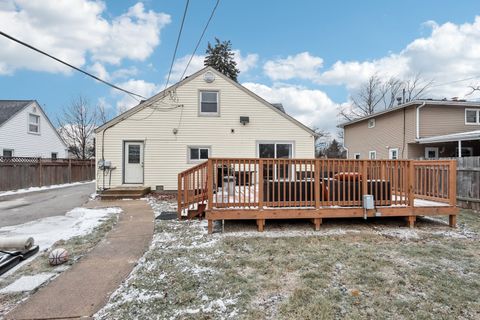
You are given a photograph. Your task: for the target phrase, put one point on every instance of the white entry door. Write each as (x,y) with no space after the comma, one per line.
(133,160)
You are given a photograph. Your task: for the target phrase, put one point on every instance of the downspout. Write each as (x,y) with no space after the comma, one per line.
(418,120)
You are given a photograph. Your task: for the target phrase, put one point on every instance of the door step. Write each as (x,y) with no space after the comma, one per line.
(124,193)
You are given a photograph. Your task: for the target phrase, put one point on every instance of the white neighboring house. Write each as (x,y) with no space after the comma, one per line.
(26,131)
(204,115)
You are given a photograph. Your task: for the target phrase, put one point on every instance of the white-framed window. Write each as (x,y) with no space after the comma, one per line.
(472,116)
(275,149)
(431,153)
(33,123)
(371,123)
(7,153)
(198,153)
(393,153)
(356,156)
(54,155)
(372,155)
(209,104)
(466,152)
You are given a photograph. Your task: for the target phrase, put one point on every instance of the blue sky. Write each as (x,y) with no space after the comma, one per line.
(310,55)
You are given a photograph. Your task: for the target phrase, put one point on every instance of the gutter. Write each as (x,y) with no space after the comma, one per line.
(418,120)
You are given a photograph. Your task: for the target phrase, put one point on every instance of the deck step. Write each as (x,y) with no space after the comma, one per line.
(192,213)
(124,193)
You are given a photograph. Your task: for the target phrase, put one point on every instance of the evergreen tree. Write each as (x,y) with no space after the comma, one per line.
(220,57)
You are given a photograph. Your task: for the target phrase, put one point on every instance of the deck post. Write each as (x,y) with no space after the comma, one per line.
(316,179)
(317,222)
(364,178)
(210,226)
(209,185)
(411,183)
(452,220)
(452,183)
(411,221)
(260,184)
(179,197)
(260,225)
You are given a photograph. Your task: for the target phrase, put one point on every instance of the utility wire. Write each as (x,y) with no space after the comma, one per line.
(131,94)
(454,81)
(176,45)
(200,39)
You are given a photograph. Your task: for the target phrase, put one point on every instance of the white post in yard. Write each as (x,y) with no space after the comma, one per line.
(459,148)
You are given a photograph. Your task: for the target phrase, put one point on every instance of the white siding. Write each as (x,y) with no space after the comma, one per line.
(14,135)
(166,153)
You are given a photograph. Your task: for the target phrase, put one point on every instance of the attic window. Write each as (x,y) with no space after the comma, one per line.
(371,123)
(33,123)
(209,103)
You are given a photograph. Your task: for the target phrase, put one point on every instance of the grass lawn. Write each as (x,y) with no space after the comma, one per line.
(351,269)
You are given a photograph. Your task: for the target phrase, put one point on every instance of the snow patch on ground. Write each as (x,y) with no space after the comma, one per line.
(47,231)
(34,189)
(27,283)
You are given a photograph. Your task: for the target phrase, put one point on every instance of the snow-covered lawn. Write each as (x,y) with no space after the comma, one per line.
(354,269)
(34,189)
(47,231)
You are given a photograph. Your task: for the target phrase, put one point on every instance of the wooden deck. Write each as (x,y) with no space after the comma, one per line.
(315,189)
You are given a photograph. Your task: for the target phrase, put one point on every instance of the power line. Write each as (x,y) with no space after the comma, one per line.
(200,39)
(132,94)
(454,81)
(176,45)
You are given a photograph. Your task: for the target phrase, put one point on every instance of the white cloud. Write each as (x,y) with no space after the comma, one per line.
(75,30)
(244,64)
(99,70)
(311,107)
(302,66)
(450,52)
(141,87)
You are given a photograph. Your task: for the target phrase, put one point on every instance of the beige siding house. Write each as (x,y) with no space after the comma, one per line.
(205,115)
(416,130)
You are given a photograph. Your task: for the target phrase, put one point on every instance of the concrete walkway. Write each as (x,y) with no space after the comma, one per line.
(85,288)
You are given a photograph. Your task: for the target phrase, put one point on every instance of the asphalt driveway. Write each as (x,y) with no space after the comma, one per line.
(25,207)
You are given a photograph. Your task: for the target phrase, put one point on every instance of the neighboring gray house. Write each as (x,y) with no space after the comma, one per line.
(26,131)
(420,129)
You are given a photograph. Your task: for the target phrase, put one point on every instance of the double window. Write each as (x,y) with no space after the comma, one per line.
(197,154)
(275,150)
(472,116)
(372,155)
(33,123)
(54,156)
(209,103)
(393,153)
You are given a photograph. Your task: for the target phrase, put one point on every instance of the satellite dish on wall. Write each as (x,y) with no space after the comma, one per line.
(209,77)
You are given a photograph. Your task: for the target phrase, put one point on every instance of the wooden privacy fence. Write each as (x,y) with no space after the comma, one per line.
(468,182)
(314,183)
(23,172)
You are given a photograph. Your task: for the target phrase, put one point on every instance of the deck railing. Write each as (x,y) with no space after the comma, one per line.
(192,188)
(435,180)
(313,183)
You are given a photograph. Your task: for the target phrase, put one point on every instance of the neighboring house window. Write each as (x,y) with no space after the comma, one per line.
(33,123)
(8,153)
(209,103)
(371,123)
(466,152)
(54,155)
(356,156)
(431,153)
(372,155)
(275,150)
(393,153)
(198,153)
(472,116)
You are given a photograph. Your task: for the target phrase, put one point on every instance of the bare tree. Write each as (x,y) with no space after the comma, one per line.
(378,94)
(320,141)
(76,125)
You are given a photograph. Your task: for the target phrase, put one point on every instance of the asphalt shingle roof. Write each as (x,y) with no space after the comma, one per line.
(8,108)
